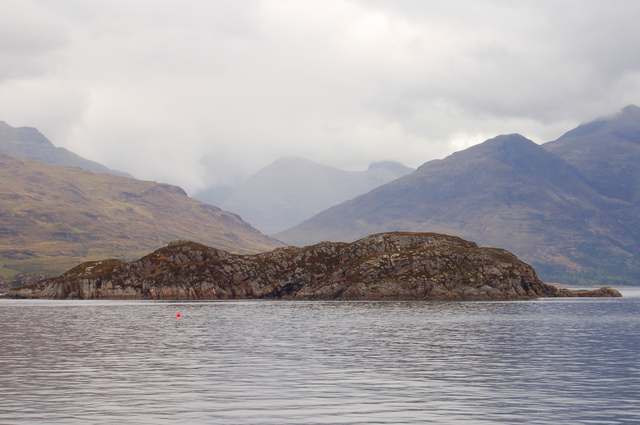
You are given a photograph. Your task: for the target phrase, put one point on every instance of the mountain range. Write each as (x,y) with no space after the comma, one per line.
(53,217)
(30,143)
(292,189)
(570,207)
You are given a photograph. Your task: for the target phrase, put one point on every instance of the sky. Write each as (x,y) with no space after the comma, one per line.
(200,93)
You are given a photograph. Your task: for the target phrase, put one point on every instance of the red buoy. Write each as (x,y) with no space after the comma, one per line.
(178,315)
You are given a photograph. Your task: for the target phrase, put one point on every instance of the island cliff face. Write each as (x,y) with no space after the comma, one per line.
(389,266)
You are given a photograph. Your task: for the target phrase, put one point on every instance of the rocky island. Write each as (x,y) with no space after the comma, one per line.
(387,266)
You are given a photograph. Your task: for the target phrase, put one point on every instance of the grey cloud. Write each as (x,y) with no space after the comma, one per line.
(29,40)
(197,92)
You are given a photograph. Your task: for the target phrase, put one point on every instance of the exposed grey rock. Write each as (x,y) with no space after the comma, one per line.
(392,266)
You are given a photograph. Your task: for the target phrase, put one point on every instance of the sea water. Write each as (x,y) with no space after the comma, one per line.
(278,362)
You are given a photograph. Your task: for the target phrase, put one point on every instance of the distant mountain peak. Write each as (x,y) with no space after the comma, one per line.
(624,124)
(512,147)
(33,135)
(625,116)
(28,135)
(286,163)
(607,152)
(499,145)
(30,143)
(631,109)
(383,164)
(512,138)
(289,163)
(387,165)
(292,189)
(291,159)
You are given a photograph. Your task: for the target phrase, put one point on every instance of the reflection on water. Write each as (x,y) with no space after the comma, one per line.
(543,362)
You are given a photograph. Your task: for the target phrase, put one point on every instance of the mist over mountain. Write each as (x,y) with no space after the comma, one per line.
(290,190)
(29,143)
(569,207)
(607,153)
(216,194)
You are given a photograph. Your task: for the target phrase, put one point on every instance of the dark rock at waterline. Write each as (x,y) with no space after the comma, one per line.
(605,292)
(388,266)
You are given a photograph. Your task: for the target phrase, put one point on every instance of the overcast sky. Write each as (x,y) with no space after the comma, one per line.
(194,92)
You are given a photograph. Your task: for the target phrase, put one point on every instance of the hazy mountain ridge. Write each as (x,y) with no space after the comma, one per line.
(29,143)
(607,153)
(558,206)
(292,189)
(53,217)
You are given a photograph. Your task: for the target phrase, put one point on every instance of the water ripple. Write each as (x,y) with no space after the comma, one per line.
(540,362)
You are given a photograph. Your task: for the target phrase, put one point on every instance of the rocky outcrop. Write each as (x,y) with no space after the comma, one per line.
(605,292)
(389,266)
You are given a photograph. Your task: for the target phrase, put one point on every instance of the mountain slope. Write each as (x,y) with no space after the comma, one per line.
(291,190)
(607,153)
(29,143)
(507,192)
(51,217)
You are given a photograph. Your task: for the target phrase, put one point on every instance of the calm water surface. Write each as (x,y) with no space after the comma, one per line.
(539,362)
